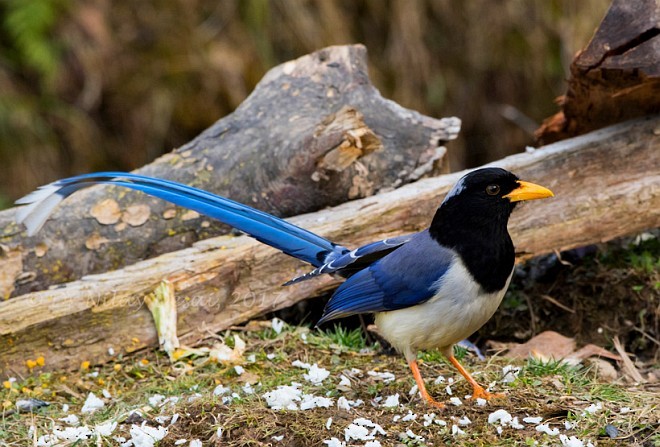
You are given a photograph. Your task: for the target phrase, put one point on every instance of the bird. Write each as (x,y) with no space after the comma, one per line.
(427,290)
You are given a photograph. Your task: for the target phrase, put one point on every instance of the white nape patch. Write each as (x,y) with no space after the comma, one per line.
(456,189)
(457,310)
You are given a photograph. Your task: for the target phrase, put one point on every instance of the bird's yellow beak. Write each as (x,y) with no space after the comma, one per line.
(528,191)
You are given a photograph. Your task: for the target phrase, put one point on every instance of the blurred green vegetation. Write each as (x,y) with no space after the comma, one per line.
(111,85)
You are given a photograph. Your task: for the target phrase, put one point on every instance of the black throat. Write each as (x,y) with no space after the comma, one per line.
(480,238)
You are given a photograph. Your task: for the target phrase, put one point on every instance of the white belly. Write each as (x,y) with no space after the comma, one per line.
(454,313)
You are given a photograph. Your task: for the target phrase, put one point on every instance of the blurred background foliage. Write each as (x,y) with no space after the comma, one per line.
(100,84)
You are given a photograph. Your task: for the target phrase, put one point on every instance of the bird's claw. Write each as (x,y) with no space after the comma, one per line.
(480,393)
(434,403)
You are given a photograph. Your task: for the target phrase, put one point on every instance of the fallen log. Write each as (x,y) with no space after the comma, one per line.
(227,280)
(616,77)
(314,133)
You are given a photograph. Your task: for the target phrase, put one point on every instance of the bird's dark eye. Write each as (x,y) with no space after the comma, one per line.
(492,190)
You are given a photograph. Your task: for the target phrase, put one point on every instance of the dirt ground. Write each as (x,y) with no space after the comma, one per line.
(342,390)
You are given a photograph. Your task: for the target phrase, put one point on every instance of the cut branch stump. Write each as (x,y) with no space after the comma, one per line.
(616,77)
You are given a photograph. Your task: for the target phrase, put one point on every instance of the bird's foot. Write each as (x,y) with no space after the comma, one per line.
(432,402)
(481,393)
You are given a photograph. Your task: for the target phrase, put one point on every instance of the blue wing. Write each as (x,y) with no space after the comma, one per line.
(271,230)
(352,262)
(408,276)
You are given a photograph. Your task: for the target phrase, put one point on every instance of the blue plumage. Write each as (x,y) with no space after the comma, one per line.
(406,277)
(327,256)
(428,290)
(270,230)
(350,262)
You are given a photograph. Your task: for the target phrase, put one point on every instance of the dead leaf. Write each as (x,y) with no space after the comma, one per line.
(546,345)
(248,377)
(136,215)
(592,350)
(106,212)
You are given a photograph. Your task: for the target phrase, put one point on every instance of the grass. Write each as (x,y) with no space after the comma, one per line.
(557,392)
(338,338)
(614,281)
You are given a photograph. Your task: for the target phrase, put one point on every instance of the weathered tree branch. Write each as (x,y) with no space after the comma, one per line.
(314,133)
(616,77)
(607,184)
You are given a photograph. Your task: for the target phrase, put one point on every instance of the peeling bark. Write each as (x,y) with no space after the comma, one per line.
(227,280)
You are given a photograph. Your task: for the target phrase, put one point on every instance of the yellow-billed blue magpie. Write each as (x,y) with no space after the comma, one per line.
(427,290)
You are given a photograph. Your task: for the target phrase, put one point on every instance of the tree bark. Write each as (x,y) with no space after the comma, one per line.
(314,133)
(617,76)
(228,280)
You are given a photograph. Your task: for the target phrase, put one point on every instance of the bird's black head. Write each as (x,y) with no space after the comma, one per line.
(480,198)
(473,219)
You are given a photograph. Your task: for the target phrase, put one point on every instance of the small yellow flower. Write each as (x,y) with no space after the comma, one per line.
(30,363)
(41,361)
(178,353)
(85,365)
(62,378)
(101,381)
(6,384)
(144,361)
(117,367)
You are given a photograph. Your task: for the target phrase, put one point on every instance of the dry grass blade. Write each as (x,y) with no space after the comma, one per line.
(628,365)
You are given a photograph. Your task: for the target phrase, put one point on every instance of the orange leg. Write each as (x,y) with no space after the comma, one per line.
(420,384)
(479,391)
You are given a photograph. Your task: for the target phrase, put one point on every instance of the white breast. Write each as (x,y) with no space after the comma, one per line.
(457,310)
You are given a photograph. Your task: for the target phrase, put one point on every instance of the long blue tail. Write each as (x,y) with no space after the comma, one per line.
(270,230)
